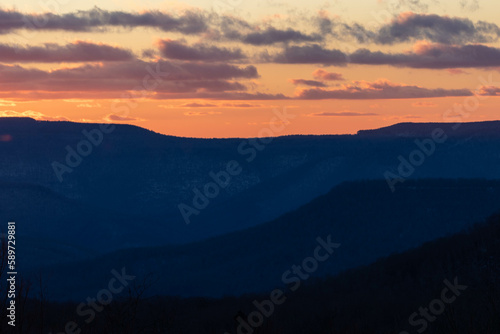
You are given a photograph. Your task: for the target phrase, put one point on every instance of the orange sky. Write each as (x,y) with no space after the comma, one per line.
(396,64)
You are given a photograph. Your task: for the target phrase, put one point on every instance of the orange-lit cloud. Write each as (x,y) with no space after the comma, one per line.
(32,114)
(380,89)
(321,74)
(202,113)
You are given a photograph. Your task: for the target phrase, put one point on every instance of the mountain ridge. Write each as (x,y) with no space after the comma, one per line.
(409,129)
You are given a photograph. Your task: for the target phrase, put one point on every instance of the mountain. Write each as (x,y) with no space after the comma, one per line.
(475,129)
(367,219)
(127,191)
(137,178)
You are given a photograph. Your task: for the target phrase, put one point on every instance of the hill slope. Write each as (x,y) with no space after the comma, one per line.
(379,298)
(364,217)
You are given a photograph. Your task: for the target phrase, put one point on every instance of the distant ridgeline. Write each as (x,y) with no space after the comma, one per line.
(125,194)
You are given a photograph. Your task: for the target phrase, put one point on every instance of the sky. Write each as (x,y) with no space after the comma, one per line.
(226,68)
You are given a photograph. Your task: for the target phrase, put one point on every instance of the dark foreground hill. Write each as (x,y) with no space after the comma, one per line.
(367,220)
(450,285)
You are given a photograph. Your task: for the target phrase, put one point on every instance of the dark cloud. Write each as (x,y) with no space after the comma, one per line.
(324,24)
(198,52)
(229,28)
(408,26)
(272,35)
(76,52)
(431,56)
(356,31)
(440,29)
(220,71)
(190,22)
(126,76)
(304,82)
(379,90)
(149,53)
(310,54)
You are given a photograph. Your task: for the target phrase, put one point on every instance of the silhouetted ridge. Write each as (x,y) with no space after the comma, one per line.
(15,122)
(488,128)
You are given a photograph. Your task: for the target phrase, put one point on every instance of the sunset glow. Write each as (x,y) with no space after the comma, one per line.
(219,68)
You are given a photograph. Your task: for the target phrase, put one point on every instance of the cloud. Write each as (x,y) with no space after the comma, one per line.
(356,31)
(310,54)
(272,35)
(433,56)
(469,5)
(4,103)
(406,27)
(410,26)
(344,113)
(242,105)
(230,28)
(78,51)
(201,85)
(213,105)
(321,74)
(223,96)
(423,55)
(381,89)
(198,52)
(118,118)
(456,71)
(198,105)
(489,91)
(304,82)
(201,113)
(32,114)
(323,22)
(101,79)
(189,22)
